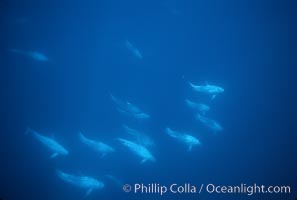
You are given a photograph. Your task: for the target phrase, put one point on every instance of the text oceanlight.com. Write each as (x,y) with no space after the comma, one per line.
(187,188)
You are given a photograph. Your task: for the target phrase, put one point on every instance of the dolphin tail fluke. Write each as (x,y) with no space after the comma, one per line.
(82,137)
(128,44)
(119,103)
(122,111)
(199,117)
(63,176)
(89,191)
(187,101)
(190,148)
(54,155)
(171,133)
(126,128)
(60,174)
(121,140)
(192,85)
(66,177)
(113,98)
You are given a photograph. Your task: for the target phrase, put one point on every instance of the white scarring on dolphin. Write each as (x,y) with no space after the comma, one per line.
(183,137)
(141,138)
(139,150)
(35,55)
(129,109)
(200,107)
(210,123)
(207,89)
(85,182)
(133,49)
(53,145)
(100,147)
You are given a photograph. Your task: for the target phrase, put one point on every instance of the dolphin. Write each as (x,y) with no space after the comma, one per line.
(141,138)
(132,108)
(100,147)
(53,145)
(200,107)
(208,89)
(133,50)
(129,109)
(85,182)
(139,150)
(141,116)
(35,55)
(210,123)
(183,137)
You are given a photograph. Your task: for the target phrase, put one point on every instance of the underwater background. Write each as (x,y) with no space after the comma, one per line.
(246,47)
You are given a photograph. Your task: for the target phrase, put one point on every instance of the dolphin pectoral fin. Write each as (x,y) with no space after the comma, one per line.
(143,161)
(190,148)
(89,192)
(213,96)
(54,155)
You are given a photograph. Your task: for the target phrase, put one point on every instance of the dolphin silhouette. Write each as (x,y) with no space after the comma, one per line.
(85,182)
(141,138)
(210,123)
(183,137)
(200,107)
(100,147)
(129,109)
(139,150)
(207,89)
(53,145)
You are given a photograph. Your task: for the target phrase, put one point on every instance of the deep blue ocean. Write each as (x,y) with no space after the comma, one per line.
(62,62)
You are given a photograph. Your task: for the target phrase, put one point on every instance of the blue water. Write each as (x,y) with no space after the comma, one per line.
(246,47)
